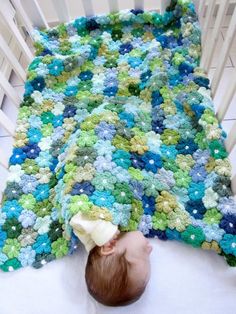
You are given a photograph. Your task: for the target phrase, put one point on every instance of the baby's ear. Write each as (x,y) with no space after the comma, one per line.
(108,248)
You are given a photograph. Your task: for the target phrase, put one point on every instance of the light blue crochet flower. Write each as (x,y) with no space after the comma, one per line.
(201,156)
(213,232)
(28,183)
(102,198)
(44,159)
(41,192)
(121,174)
(145,224)
(26,256)
(104,148)
(196,190)
(42,244)
(120,214)
(168,151)
(210,178)
(27,218)
(227,205)
(3,258)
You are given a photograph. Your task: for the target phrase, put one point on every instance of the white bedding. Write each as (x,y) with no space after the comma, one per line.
(183,280)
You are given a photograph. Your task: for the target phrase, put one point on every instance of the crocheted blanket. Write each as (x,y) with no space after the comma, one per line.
(117,121)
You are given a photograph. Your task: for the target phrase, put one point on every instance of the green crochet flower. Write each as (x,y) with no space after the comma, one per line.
(170,164)
(185,162)
(11,248)
(60,247)
(12,227)
(136,210)
(200,140)
(79,203)
(43,208)
(152,185)
(182,178)
(178,219)
(193,235)
(104,181)
(121,143)
(87,138)
(136,174)
(27,201)
(123,193)
(166,202)
(212,216)
(159,221)
(217,150)
(170,137)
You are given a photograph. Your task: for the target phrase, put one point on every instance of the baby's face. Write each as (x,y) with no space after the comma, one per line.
(138,253)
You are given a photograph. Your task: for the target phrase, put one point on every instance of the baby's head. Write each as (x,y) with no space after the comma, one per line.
(117,273)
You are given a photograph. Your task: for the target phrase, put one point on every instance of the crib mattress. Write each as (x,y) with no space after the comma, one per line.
(184,280)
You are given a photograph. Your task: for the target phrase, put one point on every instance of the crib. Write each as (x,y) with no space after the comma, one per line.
(19,17)
(184,279)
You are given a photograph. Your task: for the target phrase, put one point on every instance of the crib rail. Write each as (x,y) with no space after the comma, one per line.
(23,15)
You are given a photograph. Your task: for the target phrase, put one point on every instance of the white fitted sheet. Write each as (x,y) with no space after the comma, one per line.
(183,280)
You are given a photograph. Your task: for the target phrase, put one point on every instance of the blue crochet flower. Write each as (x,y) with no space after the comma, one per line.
(148,204)
(69,111)
(134,61)
(196,208)
(168,151)
(121,158)
(42,244)
(105,131)
(228,223)
(31,150)
(71,90)
(173,234)
(86,75)
(3,236)
(41,192)
(125,48)
(196,191)
(186,147)
(34,135)
(82,188)
(128,118)
(152,161)
(158,127)
(18,156)
(228,244)
(12,208)
(56,67)
(198,173)
(156,98)
(110,91)
(57,120)
(102,198)
(38,83)
(137,188)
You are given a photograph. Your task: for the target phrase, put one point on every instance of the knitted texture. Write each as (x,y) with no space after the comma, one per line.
(117,121)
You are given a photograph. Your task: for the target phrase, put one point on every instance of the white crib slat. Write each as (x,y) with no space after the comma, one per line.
(17,35)
(233,184)
(138,4)
(9,90)
(113,5)
(230,141)
(88,7)
(3,160)
(61,8)
(208,50)
(227,98)
(201,8)
(207,20)
(21,11)
(6,123)
(163,5)
(12,59)
(224,53)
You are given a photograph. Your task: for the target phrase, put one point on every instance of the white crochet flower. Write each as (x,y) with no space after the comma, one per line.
(15,172)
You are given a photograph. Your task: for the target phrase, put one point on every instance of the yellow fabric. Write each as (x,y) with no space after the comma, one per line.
(92,232)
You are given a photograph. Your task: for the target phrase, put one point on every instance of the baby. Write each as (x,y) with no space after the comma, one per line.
(118,265)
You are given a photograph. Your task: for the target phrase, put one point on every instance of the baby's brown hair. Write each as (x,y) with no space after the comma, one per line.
(108,281)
